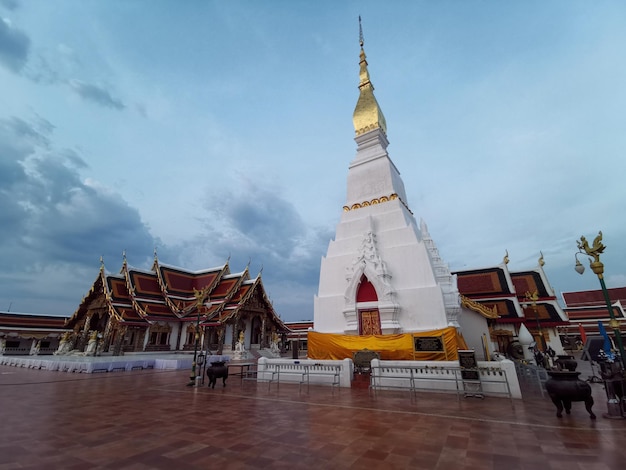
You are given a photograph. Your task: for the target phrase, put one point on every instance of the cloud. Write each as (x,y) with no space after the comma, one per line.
(54,219)
(255,225)
(96,94)
(9,4)
(14,46)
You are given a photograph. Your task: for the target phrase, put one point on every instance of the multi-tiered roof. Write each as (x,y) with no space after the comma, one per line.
(138,297)
(511,297)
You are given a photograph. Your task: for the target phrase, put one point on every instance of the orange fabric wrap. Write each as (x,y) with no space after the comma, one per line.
(390,347)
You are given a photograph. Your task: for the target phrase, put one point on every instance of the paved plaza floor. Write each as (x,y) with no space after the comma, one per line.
(151,419)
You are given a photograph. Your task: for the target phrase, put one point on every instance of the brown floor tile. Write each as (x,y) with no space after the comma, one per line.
(150,420)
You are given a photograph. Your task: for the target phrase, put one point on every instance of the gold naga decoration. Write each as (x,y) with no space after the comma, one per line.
(491,313)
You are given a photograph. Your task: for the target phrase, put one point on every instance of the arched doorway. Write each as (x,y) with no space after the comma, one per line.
(255,337)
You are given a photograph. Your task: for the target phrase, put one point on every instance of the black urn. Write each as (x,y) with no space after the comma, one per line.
(565,362)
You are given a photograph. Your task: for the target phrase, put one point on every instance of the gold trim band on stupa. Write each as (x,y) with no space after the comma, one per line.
(367,114)
(377,200)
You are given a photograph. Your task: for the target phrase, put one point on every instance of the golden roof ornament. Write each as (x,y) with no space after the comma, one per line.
(506,257)
(367,114)
(541,261)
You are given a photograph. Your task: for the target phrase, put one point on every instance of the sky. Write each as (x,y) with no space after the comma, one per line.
(217,131)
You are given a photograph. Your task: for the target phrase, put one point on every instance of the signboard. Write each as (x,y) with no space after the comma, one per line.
(469,366)
(428,344)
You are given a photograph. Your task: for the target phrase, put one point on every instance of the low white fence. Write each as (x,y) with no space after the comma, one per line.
(495,378)
(305,371)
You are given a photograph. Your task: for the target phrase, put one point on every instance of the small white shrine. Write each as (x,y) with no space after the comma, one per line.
(382,274)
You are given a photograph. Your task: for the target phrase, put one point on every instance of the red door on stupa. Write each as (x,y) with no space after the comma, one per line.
(369,322)
(369,319)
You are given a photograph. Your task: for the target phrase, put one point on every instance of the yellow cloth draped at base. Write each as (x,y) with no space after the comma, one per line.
(390,347)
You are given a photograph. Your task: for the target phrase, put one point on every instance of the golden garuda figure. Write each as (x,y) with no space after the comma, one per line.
(595,250)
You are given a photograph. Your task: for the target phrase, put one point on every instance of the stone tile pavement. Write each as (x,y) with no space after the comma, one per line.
(151,419)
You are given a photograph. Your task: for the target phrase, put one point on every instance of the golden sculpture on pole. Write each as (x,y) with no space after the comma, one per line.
(593,252)
(532,297)
(200,295)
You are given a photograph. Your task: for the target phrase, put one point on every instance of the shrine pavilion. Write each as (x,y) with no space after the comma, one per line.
(163,308)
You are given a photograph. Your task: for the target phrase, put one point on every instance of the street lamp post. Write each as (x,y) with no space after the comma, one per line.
(200,295)
(593,252)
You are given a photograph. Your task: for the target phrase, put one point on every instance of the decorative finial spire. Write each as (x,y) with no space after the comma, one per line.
(361,42)
(506,257)
(541,261)
(367,114)
(155,253)
(101,263)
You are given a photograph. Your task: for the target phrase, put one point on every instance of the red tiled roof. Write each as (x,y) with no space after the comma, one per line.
(180,283)
(589,313)
(168,294)
(593,297)
(528,281)
(22,320)
(483,282)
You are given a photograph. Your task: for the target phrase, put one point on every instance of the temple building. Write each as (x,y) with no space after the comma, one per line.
(502,301)
(586,308)
(163,308)
(382,273)
(29,334)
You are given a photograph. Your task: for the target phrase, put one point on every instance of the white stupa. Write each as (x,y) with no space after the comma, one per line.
(382,274)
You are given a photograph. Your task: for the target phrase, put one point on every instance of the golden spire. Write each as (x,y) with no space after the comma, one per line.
(367,114)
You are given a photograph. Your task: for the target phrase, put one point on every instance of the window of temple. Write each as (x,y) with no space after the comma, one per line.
(159,334)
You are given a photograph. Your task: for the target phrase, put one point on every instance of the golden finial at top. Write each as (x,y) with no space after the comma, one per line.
(367,114)
(541,261)
(506,257)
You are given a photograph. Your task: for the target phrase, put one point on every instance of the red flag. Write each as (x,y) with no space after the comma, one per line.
(583,335)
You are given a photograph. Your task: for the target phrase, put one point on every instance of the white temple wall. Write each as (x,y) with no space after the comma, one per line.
(373,180)
(473,325)
(415,302)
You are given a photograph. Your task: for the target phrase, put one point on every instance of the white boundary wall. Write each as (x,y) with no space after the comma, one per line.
(445,376)
(293,370)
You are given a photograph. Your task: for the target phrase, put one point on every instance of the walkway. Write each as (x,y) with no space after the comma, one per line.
(150,419)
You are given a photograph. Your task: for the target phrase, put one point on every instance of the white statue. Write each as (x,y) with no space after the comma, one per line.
(240,348)
(92,345)
(274,344)
(34,347)
(65,343)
